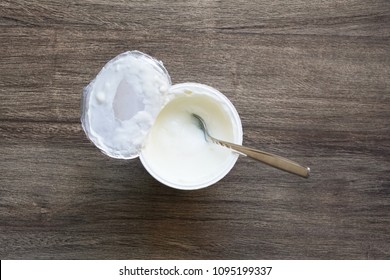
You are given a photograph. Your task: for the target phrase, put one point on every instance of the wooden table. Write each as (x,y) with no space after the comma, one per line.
(310,80)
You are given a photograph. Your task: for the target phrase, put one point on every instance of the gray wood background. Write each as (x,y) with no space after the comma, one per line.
(310,80)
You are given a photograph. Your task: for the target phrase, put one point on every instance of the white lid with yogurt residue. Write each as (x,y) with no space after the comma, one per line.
(120,105)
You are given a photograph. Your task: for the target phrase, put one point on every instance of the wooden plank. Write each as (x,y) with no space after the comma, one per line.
(310,81)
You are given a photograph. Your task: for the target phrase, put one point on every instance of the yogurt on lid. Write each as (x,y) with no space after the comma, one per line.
(121,103)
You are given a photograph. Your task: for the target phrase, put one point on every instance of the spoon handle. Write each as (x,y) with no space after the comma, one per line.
(268,158)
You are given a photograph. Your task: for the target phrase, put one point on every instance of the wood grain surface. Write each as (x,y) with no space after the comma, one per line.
(310,80)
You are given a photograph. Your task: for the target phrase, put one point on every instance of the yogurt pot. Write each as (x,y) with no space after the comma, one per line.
(131,109)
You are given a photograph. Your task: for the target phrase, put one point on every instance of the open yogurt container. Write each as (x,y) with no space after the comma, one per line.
(131,109)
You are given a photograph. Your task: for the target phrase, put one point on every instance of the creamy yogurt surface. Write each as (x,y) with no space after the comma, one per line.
(176,152)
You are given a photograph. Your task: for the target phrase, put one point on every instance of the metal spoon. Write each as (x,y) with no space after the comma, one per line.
(267,158)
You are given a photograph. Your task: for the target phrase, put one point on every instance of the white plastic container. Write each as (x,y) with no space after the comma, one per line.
(131,109)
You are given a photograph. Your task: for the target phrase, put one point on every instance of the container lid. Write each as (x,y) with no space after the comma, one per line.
(120,105)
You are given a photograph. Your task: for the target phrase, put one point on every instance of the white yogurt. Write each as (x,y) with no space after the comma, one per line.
(131,109)
(176,152)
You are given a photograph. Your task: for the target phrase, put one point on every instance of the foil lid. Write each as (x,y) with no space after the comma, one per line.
(121,104)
